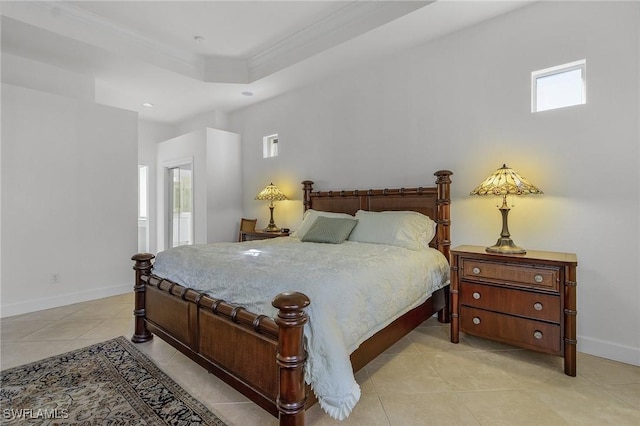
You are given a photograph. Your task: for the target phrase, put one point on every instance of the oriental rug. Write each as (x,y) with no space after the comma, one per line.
(109,383)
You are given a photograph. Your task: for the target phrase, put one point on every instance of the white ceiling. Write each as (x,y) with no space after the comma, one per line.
(146,51)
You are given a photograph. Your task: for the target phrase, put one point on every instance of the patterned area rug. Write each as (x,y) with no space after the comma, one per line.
(107,383)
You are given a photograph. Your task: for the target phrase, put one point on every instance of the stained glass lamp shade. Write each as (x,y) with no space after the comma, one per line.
(505,181)
(271,193)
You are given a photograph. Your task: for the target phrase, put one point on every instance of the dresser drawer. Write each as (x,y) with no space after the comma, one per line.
(519,275)
(527,333)
(516,302)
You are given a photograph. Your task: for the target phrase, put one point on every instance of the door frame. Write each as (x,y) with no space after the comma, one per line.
(167,208)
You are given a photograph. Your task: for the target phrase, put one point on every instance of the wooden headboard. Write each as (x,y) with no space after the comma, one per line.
(433,201)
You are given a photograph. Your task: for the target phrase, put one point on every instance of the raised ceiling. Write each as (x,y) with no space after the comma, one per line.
(189,57)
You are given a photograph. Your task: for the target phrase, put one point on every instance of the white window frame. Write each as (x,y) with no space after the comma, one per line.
(143,208)
(270,146)
(560,69)
(143,191)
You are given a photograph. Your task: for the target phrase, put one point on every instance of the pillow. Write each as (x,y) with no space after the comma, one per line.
(406,229)
(332,230)
(310,216)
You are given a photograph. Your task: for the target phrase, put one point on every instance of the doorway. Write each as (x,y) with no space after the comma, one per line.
(180,205)
(143,208)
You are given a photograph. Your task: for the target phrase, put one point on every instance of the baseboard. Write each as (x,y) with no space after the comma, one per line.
(588,345)
(54,301)
(609,350)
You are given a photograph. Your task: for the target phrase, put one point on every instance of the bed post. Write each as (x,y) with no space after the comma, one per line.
(291,357)
(443,182)
(307,187)
(142,268)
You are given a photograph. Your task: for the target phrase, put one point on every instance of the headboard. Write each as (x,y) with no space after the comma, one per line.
(432,201)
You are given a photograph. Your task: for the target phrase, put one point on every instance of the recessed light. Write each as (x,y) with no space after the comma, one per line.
(148,105)
(247,93)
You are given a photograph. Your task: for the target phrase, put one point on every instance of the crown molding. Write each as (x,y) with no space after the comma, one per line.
(69,20)
(354,19)
(76,23)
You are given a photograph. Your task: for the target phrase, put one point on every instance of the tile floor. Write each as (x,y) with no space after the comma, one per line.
(422,380)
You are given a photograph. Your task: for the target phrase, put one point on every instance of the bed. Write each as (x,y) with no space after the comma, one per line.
(264,355)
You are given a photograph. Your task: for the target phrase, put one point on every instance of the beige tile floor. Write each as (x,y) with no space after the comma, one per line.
(422,380)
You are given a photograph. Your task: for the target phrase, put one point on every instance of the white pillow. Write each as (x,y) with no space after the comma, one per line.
(406,229)
(310,216)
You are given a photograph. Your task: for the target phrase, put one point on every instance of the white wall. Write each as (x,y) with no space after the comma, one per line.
(217,203)
(186,149)
(149,135)
(210,119)
(463,103)
(26,72)
(224,185)
(68,199)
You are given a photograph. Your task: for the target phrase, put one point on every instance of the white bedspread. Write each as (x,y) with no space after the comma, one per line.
(356,289)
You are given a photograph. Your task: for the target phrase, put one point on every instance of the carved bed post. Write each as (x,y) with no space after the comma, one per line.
(142,268)
(443,182)
(307,187)
(291,357)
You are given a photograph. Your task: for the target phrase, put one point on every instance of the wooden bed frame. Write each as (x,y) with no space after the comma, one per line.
(261,357)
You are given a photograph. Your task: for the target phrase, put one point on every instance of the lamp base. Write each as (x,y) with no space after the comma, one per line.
(272,225)
(272,228)
(505,246)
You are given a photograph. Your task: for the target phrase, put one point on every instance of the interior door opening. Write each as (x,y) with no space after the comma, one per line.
(180,205)
(143,208)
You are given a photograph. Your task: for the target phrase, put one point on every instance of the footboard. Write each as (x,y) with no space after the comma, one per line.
(268,365)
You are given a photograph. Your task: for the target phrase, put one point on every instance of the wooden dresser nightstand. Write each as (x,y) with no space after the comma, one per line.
(260,235)
(526,300)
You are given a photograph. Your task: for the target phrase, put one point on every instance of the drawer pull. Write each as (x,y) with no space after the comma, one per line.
(537,306)
(476,320)
(537,334)
(538,278)
(476,295)
(476,270)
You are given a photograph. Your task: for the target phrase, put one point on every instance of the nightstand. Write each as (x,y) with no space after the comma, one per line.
(525,300)
(260,235)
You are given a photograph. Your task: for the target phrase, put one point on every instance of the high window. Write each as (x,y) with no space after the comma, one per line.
(559,87)
(270,146)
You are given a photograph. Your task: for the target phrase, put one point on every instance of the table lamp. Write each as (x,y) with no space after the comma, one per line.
(271,193)
(505,181)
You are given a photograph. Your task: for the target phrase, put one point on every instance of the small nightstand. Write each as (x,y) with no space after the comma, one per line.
(526,300)
(260,235)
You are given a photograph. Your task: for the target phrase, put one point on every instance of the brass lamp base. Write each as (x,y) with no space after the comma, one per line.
(272,225)
(272,228)
(505,246)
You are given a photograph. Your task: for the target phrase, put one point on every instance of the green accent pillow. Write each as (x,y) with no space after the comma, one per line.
(333,230)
